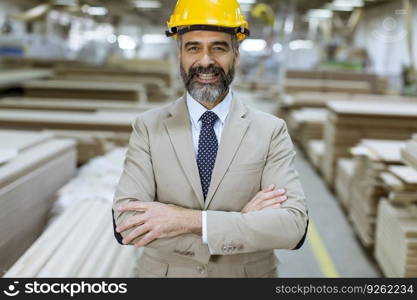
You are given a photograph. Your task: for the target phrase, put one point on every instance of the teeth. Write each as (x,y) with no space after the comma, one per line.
(207,76)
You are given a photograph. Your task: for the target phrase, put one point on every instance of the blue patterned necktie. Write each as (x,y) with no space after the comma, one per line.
(207,149)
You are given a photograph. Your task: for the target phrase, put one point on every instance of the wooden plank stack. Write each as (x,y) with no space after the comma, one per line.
(326,85)
(315,153)
(29,178)
(75,105)
(83,217)
(95,132)
(15,78)
(307,124)
(85,90)
(344,176)
(350,121)
(157,89)
(396,239)
(371,158)
(409,153)
(376,84)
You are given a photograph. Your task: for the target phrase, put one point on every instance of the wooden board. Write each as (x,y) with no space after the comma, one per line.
(85,90)
(16,78)
(62,104)
(27,184)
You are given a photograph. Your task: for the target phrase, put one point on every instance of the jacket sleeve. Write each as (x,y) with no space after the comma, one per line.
(281,228)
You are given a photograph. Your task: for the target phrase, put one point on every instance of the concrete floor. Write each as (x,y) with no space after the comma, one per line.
(331,248)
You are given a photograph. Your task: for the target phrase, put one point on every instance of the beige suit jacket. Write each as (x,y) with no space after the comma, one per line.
(255,151)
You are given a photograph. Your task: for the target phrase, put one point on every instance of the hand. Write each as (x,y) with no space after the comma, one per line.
(266,198)
(157,220)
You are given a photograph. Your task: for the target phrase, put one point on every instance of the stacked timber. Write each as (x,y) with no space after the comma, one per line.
(329,86)
(409,153)
(396,239)
(376,84)
(371,158)
(95,132)
(75,105)
(33,166)
(315,153)
(85,90)
(307,124)
(157,89)
(319,99)
(344,176)
(350,121)
(15,78)
(82,217)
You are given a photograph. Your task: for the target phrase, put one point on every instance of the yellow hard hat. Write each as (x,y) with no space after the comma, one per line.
(213,15)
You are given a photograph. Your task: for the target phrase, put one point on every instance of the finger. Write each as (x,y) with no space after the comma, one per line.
(269,188)
(147,238)
(130,222)
(274,206)
(134,206)
(274,201)
(140,230)
(271,195)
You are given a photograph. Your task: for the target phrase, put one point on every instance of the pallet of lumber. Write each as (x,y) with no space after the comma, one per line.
(157,89)
(306,124)
(95,133)
(85,90)
(81,216)
(350,121)
(344,176)
(330,86)
(400,183)
(16,78)
(371,158)
(300,100)
(28,182)
(396,239)
(75,105)
(409,153)
(315,153)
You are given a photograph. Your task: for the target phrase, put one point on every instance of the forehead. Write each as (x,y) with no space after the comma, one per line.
(206,36)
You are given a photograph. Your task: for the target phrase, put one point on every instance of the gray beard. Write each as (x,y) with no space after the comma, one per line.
(208,93)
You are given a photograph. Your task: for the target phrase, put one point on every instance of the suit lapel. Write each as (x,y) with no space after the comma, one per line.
(234,130)
(179,131)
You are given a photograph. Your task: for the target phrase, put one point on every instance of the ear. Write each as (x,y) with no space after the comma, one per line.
(237,60)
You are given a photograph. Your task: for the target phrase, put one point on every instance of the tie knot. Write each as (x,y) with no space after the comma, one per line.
(209,118)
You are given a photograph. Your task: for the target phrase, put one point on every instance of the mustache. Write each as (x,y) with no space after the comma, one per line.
(211,69)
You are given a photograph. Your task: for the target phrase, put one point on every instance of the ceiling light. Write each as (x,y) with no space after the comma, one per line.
(277,48)
(301,44)
(147,4)
(155,39)
(253,45)
(96,11)
(126,42)
(319,14)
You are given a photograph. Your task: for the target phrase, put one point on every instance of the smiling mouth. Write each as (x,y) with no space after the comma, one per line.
(207,78)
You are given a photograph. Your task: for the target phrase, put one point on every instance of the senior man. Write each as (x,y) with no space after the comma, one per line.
(209,187)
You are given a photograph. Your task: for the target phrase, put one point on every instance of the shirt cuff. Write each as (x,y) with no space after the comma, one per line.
(204,225)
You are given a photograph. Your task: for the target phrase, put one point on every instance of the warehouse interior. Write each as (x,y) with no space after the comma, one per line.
(74,75)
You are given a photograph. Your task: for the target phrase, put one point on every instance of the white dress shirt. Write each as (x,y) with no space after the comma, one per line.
(196,110)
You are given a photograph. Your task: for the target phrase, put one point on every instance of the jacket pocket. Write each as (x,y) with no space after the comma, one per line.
(262,268)
(149,266)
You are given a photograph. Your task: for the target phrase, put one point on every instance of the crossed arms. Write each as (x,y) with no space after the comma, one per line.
(273,219)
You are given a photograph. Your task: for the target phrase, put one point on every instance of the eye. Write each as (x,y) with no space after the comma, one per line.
(219,49)
(193,49)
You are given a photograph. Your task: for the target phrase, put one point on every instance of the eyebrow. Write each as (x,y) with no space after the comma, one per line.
(215,43)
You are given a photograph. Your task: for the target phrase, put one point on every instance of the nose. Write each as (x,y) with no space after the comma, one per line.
(206,60)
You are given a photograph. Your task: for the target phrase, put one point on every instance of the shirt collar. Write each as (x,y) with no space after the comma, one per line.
(196,109)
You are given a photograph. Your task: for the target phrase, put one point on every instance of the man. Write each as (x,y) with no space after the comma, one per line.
(209,188)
